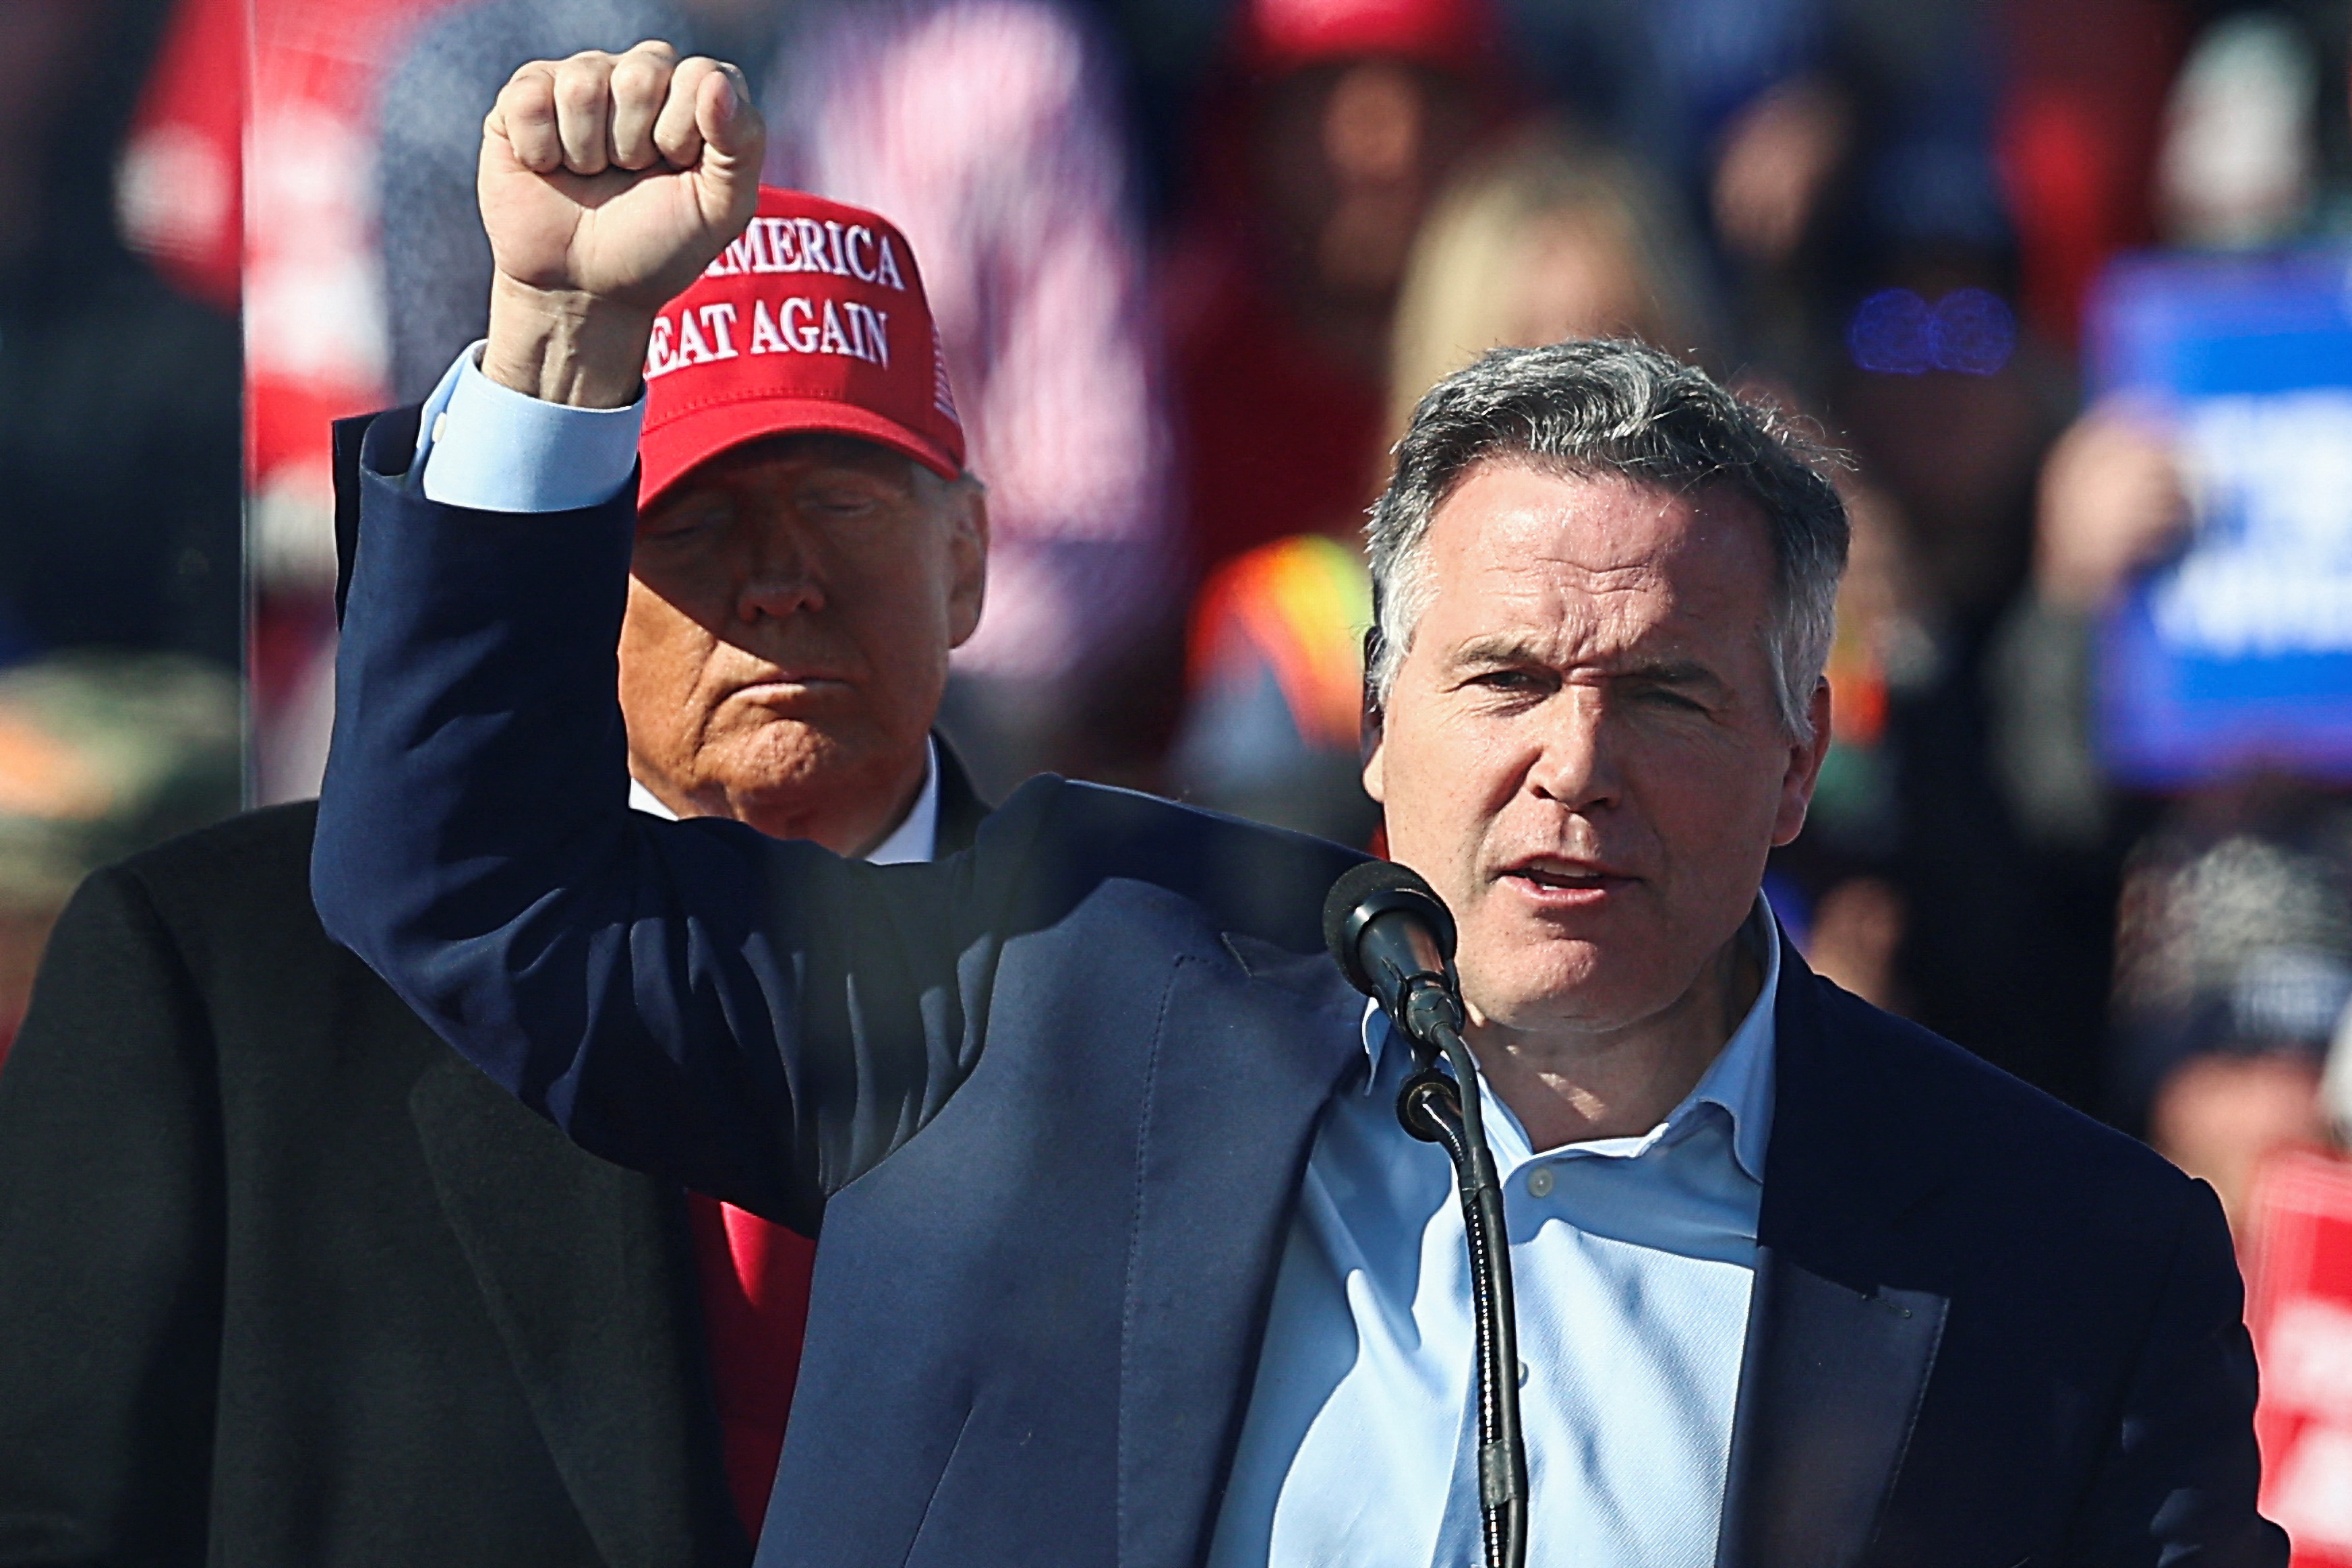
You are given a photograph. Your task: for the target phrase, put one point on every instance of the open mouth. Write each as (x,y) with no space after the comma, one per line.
(1554,883)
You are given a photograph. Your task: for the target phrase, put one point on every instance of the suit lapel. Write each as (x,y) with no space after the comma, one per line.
(962,811)
(1213,1213)
(583,1269)
(1839,1348)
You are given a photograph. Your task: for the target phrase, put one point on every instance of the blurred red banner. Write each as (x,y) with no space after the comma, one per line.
(2301,1313)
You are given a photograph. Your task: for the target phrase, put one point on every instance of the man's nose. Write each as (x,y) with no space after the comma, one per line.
(1576,759)
(779,579)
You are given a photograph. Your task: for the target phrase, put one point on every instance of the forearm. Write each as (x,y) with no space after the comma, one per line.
(474,843)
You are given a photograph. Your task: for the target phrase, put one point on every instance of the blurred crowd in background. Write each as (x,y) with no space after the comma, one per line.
(1193,263)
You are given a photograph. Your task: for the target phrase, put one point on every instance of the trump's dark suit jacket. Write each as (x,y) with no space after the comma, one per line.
(1051,1100)
(285,1282)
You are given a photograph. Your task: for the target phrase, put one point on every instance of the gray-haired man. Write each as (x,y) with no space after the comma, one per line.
(1124,1258)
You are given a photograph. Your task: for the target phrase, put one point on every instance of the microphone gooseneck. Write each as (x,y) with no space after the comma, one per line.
(1392,937)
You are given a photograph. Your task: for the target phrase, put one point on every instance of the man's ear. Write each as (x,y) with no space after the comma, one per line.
(1371,726)
(1371,737)
(967,559)
(1805,770)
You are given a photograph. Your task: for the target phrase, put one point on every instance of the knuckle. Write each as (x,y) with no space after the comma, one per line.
(526,92)
(637,74)
(580,89)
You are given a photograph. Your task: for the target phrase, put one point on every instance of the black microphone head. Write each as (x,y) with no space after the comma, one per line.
(1366,891)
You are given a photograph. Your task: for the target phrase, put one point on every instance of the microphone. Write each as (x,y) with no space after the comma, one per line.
(1392,937)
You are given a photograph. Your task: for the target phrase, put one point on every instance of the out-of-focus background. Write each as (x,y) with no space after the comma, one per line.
(2071,280)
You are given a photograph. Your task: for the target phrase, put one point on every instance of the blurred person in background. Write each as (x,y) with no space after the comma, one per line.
(1948,410)
(1542,238)
(118,397)
(282,1280)
(1807,139)
(993,130)
(2233,966)
(1545,236)
(1321,149)
(2233,937)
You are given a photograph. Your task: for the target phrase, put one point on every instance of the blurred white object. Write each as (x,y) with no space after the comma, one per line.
(2335,1083)
(2238,152)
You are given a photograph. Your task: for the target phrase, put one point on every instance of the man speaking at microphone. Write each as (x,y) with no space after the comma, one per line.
(1124,1255)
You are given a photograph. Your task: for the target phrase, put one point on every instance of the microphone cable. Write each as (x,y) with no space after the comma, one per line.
(1393,938)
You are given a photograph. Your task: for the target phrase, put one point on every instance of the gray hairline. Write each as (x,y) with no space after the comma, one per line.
(1804,600)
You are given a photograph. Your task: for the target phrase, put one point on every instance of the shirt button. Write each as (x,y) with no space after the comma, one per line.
(1540,1181)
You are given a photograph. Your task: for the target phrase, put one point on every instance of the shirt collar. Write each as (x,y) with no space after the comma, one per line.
(916,838)
(1738,1080)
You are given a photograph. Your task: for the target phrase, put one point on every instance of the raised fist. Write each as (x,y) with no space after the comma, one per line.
(607,183)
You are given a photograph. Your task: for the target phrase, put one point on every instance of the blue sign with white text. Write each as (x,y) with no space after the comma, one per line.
(2237,654)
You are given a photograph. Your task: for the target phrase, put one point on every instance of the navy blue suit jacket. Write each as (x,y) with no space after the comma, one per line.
(1051,1098)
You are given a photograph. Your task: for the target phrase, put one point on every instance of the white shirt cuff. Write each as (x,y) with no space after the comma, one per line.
(489,448)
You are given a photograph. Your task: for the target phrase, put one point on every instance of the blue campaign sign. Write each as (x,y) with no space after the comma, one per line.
(2237,653)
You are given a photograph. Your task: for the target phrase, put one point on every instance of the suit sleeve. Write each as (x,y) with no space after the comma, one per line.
(2179,1484)
(758,1019)
(110,1216)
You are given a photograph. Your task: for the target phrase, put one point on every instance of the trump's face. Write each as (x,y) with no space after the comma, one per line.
(792,604)
(1581,751)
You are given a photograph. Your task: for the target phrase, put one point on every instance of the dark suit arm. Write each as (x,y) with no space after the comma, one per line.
(2180,1479)
(759,1020)
(110,1248)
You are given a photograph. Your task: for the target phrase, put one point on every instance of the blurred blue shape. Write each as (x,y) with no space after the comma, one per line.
(1972,331)
(2236,655)
(1893,333)
(1896,333)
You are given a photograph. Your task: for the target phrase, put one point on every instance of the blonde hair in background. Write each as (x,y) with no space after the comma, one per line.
(1545,237)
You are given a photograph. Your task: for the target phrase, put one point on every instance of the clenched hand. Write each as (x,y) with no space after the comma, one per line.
(607,184)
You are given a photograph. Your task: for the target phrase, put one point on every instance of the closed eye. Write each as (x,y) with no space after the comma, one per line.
(682,524)
(837,503)
(1515,680)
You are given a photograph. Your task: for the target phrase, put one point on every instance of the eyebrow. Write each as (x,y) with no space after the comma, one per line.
(1499,652)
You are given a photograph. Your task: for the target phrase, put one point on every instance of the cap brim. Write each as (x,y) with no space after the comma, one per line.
(691,438)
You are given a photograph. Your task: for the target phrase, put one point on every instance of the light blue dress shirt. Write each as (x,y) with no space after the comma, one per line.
(1632,1258)
(489,448)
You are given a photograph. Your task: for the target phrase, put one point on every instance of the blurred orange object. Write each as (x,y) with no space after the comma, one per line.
(1298,608)
(2300,1251)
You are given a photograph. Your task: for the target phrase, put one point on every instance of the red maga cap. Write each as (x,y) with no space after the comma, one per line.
(1286,35)
(813,322)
